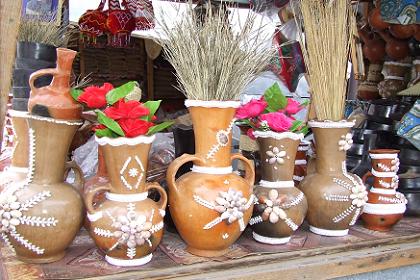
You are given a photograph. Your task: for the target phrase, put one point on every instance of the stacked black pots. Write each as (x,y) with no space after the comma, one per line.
(30,57)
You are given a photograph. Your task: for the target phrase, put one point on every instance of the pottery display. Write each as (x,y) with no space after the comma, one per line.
(397,68)
(55,100)
(375,20)
(368,91)
(403,31)
(301,161)
(385,206)
(390,87)
(373,47)
(335,197)
(127,225)
(281,207)
(395,49)
(211,205)
(41,218)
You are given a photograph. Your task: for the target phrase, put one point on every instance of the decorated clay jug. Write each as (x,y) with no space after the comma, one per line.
(385,206)
(335,197)
(55,101)
(41,218)
(281,207)
(211,205)
(128,225)
(301,161)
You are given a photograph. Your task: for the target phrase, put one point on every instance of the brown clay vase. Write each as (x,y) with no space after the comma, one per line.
(396,49)
(375,20)
(401,31)
(127,225)
(281,207)
(368,91)
(55,101)
(17,171)
(211,205)
(373,48)
(301,162)
(335,197)
(385,206)
(41,218)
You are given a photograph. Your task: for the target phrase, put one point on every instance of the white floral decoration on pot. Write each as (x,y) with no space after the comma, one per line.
(345,142)
(276,156)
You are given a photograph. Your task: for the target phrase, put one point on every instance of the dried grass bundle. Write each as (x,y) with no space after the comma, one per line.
(326,45)
(212,62)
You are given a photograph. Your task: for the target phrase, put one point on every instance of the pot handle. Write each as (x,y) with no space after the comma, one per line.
(366,176)
(249,168)
(175,165)
(163,196)
(35,75)
(91,194)
(79,181)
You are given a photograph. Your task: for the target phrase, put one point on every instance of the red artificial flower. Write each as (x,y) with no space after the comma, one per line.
(134,127)
(292,106)
(154,118)
(277,121)
(251,109)
(94,96)
(126,110)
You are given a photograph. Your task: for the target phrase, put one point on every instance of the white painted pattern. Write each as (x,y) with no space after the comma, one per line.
(384,209)
(120,141)
(270,240)
(212,170)
(131,262)
(331,124)
(212,103)
(276,184)
(278,135)
(328,232)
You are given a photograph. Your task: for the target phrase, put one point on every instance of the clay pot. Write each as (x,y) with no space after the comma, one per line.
(375,20)
(335,197)
(390,87)
(367,91)
(301,161)
(396,68)
(127,226)
(385,206)
(373,48)
(403,32)
(281,206)
(211,205)
(41,218)
(395,49)
(55,100)
(17,171)
(374,73)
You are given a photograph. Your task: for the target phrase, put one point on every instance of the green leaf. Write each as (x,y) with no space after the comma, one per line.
(120,92)
(159,127)
(304,130)
(106,132)
(109,123)
(75,93)
(305,103)
(153,106)
(296,125)
(275,98)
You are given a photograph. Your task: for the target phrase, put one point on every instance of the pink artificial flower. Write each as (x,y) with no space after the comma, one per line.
(251,109)
(292,106)
(277,121)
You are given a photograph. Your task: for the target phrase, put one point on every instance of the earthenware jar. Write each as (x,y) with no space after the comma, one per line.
(385,206)
(41,218)
(55,100)
(18,169)
(211,205)
(335,197)
(391,86)
(128,225)
(301,161)
(395,49)
(374,73)
(373,48)
(403,31)
(375,20)
(368,91)
(281,206)
(396,68)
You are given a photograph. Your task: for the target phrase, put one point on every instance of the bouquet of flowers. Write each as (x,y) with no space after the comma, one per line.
(273,112)
(118,115)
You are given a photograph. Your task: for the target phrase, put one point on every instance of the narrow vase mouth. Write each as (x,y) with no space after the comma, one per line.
(212,103)
(331,124)
(121,141)
(278,135)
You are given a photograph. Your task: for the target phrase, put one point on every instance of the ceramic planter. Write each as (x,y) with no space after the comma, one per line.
(385,206)
(127,226)
(281,207)
(41,218)
(211,205)
(335,197)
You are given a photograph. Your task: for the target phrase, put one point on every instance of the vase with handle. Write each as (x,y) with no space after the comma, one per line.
(211,205)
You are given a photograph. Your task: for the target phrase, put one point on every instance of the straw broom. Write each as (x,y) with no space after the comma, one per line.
(326,45)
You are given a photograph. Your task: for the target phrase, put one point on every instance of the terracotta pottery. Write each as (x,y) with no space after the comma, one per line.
(401,31)
(17,171)
(373,48)
(281,207)
(41,218)
(211,205)
(395,49)
(374,73)
(335,197)
(368,91)
(396,68)
(301,161)
(385,206)
(127,226)
(55,100)
(390,87)
(375,20)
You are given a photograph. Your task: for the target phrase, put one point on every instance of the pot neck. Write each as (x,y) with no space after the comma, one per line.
(101,163)
(65,59)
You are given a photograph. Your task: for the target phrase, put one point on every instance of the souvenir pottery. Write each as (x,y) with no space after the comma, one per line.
(395,49)
(127,225)
(403,31)
(397,68)
(390,87)
(385,206)
(55,101)
(368,91)
(335,197)
(41,218)
(375,20)
(211,205)
(281,207)
(301,161)
(373,48)
(17,171)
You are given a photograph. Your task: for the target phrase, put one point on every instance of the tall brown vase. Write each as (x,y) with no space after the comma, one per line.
(211,205)
(335,197)
(55,101)
(127,225)
(41,218)
(281,207)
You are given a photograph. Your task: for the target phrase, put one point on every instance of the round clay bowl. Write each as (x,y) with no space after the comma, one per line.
(375,20)
(401,31)
(413,205)
(410,157)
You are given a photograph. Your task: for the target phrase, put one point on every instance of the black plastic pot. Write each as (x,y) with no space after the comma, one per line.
(21,92)
(409,157)
(372,125)
(413,205)
(20,104)
(359,134)
(412,169)
(21,78)
(36,51)
(29,63)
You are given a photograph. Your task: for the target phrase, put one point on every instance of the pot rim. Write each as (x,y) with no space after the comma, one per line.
(121,141)
(331,124)
(384,151)
(278,135)
(395,63)
(212,103)
(52,120)
(18,114)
